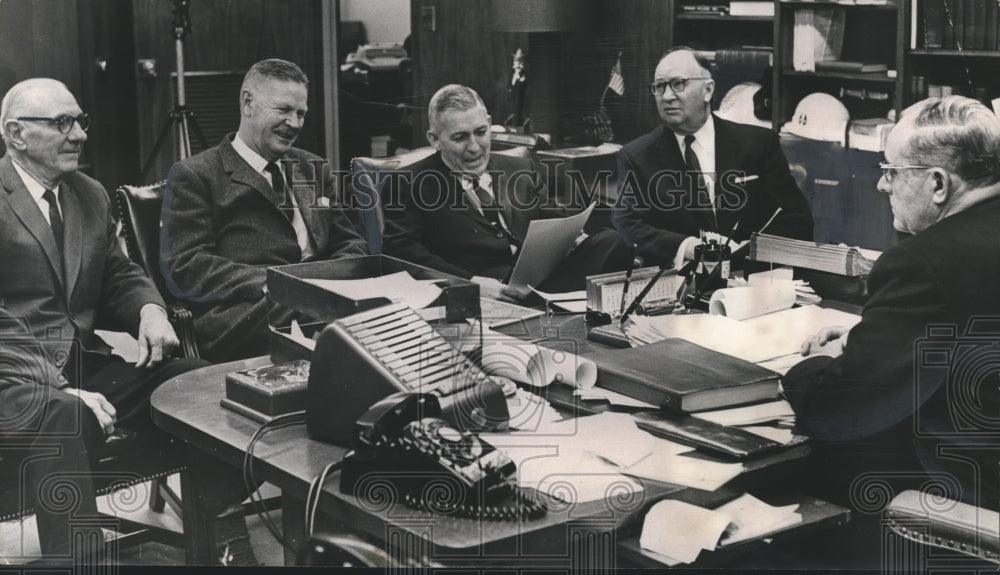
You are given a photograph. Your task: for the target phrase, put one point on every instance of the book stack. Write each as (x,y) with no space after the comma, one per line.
(961,24)
(841,260)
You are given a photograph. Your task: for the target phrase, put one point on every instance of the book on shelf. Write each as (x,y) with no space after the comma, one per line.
(850,67)
(751,8)
(744,57)
(718,7)
(682,376)
(836,259)
(817,36)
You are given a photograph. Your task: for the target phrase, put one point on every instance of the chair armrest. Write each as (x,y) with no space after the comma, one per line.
(183,323)
(933,520)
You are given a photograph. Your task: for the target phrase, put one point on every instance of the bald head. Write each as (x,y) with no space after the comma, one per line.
(34,141)
(686,109)
(29,96)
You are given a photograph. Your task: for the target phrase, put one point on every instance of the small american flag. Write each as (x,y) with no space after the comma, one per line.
(617,83)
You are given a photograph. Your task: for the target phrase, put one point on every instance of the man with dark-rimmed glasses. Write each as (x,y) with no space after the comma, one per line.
(908,398)
(699,173)
(62,390)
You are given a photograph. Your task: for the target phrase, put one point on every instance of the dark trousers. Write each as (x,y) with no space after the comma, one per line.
(58,435)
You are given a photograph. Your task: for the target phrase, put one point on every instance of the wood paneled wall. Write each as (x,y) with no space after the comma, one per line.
(227,35)
(568,70)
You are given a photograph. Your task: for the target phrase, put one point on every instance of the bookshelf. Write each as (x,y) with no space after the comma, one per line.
(721,31)
(872,33)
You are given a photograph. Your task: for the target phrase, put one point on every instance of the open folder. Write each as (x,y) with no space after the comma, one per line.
(545,245)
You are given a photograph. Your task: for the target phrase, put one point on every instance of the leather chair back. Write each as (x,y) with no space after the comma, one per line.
(139,210)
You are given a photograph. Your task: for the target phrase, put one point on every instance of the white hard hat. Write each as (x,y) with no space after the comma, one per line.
(819,116)
(737,105)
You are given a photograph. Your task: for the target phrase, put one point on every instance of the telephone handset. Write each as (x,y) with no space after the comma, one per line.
(402,440)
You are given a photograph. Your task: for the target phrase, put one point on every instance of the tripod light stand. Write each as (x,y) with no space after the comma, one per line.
(181,117)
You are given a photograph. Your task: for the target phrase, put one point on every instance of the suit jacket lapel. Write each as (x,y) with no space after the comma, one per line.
(26,210)
(241,172)
(727,147)
(73,250)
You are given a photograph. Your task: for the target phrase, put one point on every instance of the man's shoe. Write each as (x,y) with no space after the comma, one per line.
(232,541)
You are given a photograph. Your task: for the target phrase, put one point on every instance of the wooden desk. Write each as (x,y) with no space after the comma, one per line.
(188,407)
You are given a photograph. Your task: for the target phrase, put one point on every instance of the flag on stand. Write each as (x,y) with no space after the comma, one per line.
(617,83)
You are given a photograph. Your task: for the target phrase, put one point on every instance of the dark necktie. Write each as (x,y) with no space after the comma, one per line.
(698,180)
(491,209)
(278,185)
(55,219)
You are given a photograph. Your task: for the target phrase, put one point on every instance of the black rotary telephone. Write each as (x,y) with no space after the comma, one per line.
(401,441)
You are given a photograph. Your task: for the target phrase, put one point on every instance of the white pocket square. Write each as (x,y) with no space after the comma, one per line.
(745,179)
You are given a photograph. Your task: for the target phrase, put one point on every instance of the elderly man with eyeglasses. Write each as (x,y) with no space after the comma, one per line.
(697,173)
(62,392)
(909,398)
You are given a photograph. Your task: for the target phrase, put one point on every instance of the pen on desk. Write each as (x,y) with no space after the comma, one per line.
(628,280)
(774,215)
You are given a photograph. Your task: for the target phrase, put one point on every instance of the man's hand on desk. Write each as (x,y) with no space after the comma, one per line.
(827,341)
(495,289)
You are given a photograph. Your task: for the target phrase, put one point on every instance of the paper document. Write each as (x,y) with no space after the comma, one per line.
(749,415)
(755,340)
(546,244)
(669,467)
(532,364)
(398,287)
(496,313)
(767,292)
(680,530)
(750,518)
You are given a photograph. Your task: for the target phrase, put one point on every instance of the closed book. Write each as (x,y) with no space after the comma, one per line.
(681,376)
(705,435)
(978,19)
(991,23)
(934,22)
(852,67)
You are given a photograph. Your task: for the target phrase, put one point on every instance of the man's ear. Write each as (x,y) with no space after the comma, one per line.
(433,140)
(15,138)
(246,101)
(709,90)
(942,185)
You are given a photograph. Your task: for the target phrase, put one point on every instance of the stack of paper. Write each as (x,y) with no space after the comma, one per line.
(843,260)
(773,420)
(756,340)
(677,531)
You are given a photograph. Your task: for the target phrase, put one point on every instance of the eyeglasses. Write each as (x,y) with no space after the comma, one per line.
(63,123)
(677,85)
(889,170)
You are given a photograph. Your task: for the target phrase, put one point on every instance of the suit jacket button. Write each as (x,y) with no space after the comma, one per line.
(499,236)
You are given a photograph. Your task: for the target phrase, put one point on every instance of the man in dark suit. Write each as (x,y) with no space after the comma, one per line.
(466,211)
(60,386)
(699,173)
(251,202)
(908,398)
